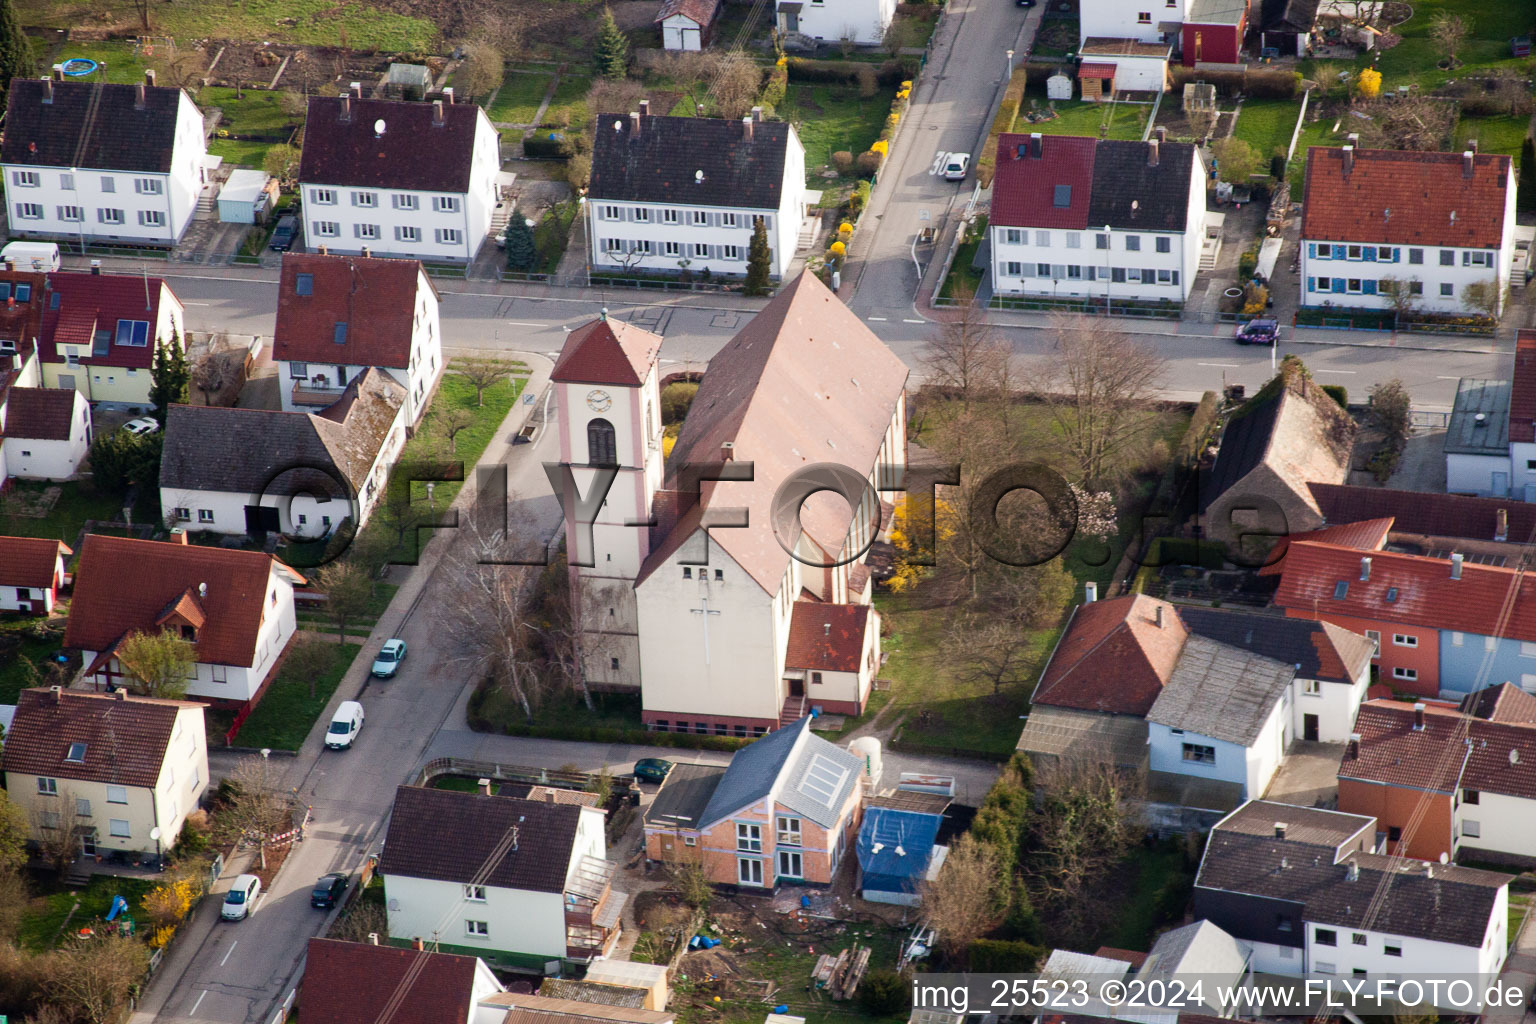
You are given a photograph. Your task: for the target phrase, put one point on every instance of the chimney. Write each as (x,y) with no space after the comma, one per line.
(1280,828)
(149,77)
(345,114)
(485,786)
(373,938)
(1353,138)
(1352,751)
(1472,146)
(1466,163)
(417,944)
(58,74)
(1036,141)
(1349,158)
(1456,559)
(1429,870)
(727,451)
(1152,153)
(645,109)
(1501,525)
(1352,873)
(1161,133)
(96,266)
(356,89)
(757,114)
(437,113)
(1157,616)
(746,129)
(121,695)
(1365,568)
(138,96)
(367,252)
(549,794)
(53,694)
(634,122)
(178,536)
(448,95)
(1418,716)
(1090,592)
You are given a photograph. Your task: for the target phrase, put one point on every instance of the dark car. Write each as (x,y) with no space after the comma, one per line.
(328,891)
(1258,332)
(284,233)
(652,769)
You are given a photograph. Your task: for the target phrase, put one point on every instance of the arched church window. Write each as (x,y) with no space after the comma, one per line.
(602,447)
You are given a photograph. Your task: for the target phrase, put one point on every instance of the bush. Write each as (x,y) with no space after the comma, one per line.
(1187,551)
(867,81)
(546,146)
(1383,464)
(1272,83)
(1339,393)
(1247,263)
(893,72)
(832,72)
(578,171)
(843,161)
(868,163)
(676,398)
(883,993)
(1004,956)
(858,199)
(775,87)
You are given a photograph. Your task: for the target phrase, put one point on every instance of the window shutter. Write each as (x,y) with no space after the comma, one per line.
(1312,250)
(1368,286)
(1175,277)
(1369,254)
(714,222)
(1338,285)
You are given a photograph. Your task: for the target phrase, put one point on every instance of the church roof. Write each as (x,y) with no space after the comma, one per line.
(805,382)
(607,352)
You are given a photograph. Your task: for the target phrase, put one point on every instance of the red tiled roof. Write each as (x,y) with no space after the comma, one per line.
(1365,535)
(1129,956)
(1096,71)
(22,322)
(1503,703)
(123,585)
(826,637)
(355,982)
(30,561)
(1425,593)
(1522,392)
(375,298)
(1430,514)
(125,737)
(1432,201)
(1113,656)
(700,12)
(40,414)
(88,300)
(1436,758)
(606,352)
(1024,187)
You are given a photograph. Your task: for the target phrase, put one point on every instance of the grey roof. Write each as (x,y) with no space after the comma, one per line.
(594,992)
(1299,642)
(1199,948)
(449,837)
(662,161)
(1465,435)
(684,795)
(1222,692)
(1129,193)
(1217,12)
(91,125)
(802,772)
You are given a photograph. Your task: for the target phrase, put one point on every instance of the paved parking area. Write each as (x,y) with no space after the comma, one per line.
(1309,777)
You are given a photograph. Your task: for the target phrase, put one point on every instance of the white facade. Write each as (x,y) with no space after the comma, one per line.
(21,599)
(1186,753)
(681,32)
(1383,953)
(861,21)
(435,227)
(1142,266)
(1333,706)
(1498,823)
(1124,19)
(1483,475)
(103,204)
(47,459)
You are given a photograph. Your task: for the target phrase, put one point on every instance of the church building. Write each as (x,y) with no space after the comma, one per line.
(727,582)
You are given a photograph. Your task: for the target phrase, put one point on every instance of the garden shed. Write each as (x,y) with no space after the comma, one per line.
(246,197)
(897,853)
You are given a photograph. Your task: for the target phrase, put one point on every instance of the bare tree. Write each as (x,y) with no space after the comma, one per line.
(1098,385)
(56,840)
(1081,829)
(451,422)
(482,372)
(969,896)
(158,664)
(737,84)
(1482,297)
(1447,30)
(965,355)
(259,808)
(93,976)
(309,658)
(484,68)
(1000,654)
(213,371)
(348,592)
(360,919)
(614,96)
(181,68)
(1399,293)
(506,29)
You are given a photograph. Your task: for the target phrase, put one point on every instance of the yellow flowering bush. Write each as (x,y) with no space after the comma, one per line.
(1369,83)
(167,904)
(881,147)
(837,248)
(161,936)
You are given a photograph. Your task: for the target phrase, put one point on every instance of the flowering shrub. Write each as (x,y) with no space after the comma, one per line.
(881,147)
(837,248)
(845,228)
(1369,83)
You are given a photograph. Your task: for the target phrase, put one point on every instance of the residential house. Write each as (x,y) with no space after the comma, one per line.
(1286,26)
(46,432)
(301,474)
(97,161)
(100,333)
(1223,963)
(363,982)
(687,24)
(1428,515)
(1490,440)
(31,573)
(399,178)
(628,974)
(236,607)
(517,1008)
(862,22)
(1213,32)
(785,810)
(339,315)
(1437,222)
(1152,21)
(1299,885)
(673,194)
(523,884)
(23,295)
(898,854)
(121,772)
(1090,218)
(1290,434)
(1111,66)
(1448,780)
(778,395)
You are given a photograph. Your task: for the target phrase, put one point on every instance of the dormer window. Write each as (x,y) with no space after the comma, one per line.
(76,754)
(1340,590)
(189,634)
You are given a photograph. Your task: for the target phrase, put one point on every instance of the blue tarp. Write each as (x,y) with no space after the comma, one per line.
(886,870)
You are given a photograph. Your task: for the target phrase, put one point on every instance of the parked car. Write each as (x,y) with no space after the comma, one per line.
(142,425)
(328,890)
(345,725)
(389,659)
(240,898)
(956,165)
(652,769)
(284,233)
(1258,332)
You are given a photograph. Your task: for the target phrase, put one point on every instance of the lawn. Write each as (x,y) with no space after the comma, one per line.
(1493,134)
(117,57)
(65,520)
(255,111)
(311,22)
(315,619)
(287,712)
(518,100)
(45,916)
(961,269)
(569,104)
(240,153)
(14,674)
(1266,125)
(831,118)
(1074,117)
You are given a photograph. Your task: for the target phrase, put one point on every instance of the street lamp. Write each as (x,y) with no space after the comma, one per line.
(1008,73)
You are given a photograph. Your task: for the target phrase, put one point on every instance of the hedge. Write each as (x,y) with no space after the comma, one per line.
(1005,956)
(600,734)
(1256,83)
(839,72)
(540,145)
(1338,393)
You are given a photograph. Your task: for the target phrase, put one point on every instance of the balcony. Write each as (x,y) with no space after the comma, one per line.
(592,910)
(307,393)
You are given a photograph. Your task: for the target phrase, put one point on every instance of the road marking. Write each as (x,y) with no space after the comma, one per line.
(231,949)
(513,323)
(913,321)
(1350,372)
(880,318)
(1447,378)
(197,303)
(938,158)
(1233,365)
(193,1011)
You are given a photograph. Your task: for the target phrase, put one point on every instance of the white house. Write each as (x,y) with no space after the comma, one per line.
(46,431)
(339,315)
(120,772)
(524,882)
(301,474)
(92,161)
(670,194)
(1297,884)
(359,982)
(399,178)
(1149,21)
(687,24)
(100,333)
(778,395)
(31,573)
(1115,66)
(1093,219)
(236,607)
(1433,223)
(830,21)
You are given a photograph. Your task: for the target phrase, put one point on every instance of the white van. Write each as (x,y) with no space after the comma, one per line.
(345,725)
(43,256)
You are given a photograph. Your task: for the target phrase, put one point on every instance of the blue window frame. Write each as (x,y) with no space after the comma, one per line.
(133,332)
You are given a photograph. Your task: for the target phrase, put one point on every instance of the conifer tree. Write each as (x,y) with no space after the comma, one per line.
(522,254)
(758,260)
(169,378)
(612,51)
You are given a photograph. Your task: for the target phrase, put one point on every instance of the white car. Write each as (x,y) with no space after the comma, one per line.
(956,165)
(240,898)
(142,425)
(345,725)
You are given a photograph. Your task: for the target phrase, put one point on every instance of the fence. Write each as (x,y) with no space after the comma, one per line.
(119,251)
(1091,308)
(1420,419)
(503,773)
(657,284)
(517,275)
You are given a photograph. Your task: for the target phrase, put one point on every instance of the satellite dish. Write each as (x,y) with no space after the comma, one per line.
(1444,857)
(618,126)
(1514,756)
(698,176)
(154,833)
(378,127)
